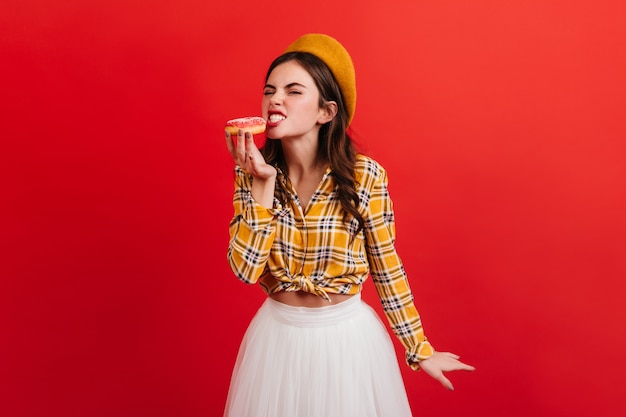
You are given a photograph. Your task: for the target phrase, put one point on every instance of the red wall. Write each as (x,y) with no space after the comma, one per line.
(501,125)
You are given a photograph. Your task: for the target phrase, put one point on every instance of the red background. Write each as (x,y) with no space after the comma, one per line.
(506,168)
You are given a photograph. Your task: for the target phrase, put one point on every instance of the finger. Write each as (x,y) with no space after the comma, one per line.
(250,145)
(251,150)
(229,143)
(457,366)
(466,367)
(451,355)
(241,149)
(445,382)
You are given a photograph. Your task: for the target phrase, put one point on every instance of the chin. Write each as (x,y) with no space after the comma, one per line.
(273,133)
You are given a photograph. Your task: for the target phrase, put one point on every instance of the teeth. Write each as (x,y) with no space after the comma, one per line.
(275,118)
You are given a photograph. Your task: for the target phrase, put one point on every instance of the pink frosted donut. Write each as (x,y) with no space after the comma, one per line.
(253,125)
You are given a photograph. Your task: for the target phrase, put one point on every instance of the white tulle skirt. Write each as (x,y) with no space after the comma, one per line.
(335,361)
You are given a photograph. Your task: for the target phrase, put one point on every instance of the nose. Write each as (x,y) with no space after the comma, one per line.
(276,99)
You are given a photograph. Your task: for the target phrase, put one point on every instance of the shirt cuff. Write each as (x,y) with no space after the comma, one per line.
(422,351)
(257,216)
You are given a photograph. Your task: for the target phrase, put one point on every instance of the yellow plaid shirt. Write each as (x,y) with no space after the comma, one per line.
(287,249)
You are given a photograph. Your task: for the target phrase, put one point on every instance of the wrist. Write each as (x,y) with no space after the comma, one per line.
(263,191)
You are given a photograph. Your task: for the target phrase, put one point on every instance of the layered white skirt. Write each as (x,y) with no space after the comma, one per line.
(334,361)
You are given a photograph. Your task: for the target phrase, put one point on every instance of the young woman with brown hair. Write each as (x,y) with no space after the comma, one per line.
(313,219)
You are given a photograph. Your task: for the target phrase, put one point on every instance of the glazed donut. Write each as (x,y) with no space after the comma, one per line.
(253,125)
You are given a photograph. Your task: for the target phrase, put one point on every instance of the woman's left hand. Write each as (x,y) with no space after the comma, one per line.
(442,362)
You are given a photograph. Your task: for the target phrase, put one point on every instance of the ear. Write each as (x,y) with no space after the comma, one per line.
(327,113)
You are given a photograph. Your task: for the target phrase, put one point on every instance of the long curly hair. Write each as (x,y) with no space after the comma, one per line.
(335,145)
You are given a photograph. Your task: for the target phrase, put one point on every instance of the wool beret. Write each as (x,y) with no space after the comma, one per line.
(337,58)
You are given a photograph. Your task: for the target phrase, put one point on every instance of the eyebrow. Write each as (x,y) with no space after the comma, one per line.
(294,84)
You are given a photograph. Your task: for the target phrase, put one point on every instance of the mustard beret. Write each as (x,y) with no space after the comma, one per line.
(337,58)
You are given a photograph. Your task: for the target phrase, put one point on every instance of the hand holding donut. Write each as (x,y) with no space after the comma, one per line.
(245,152)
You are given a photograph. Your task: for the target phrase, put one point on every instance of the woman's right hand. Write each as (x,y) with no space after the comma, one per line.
(246,154)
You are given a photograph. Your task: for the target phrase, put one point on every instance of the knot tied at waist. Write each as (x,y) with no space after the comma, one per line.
(304,283)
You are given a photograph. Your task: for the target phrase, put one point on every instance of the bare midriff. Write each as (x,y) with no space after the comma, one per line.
(306,299)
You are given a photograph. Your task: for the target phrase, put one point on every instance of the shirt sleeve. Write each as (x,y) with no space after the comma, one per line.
(252,231)
(389,275)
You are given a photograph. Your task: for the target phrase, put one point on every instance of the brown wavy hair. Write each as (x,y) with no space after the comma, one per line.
(335,145)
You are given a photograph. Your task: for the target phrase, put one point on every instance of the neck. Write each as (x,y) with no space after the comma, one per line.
(301,158)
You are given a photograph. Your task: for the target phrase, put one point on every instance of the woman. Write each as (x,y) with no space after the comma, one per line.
(313,219)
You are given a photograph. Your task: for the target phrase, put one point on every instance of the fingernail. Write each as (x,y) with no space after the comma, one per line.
(248,135)
(239,132)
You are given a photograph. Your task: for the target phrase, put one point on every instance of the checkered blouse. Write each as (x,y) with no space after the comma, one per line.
(286,249)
